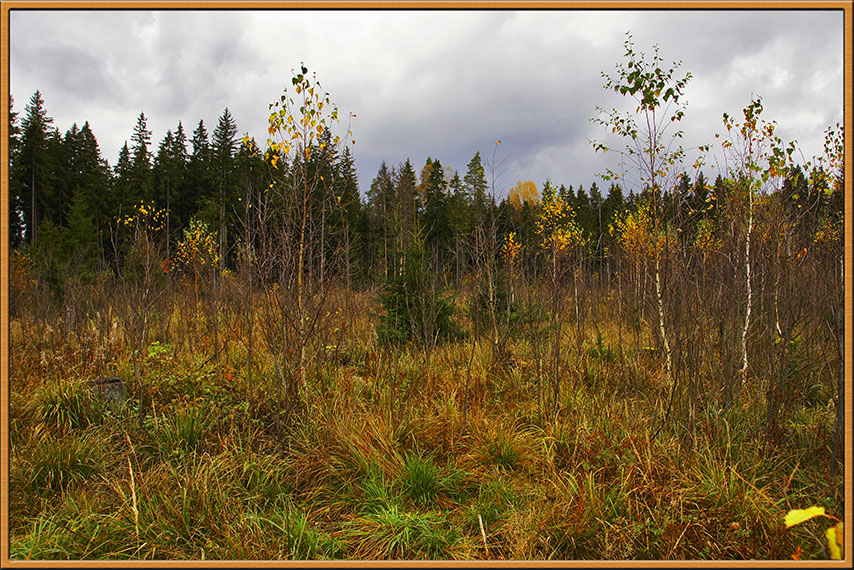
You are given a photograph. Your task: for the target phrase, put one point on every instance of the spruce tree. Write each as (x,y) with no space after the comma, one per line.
(124,192)
(85,178)
(476,185)
(346,213)
(381,202)
(200,181)
(406,183)
(165,178)
(435,208)
(460,226)
(223,147)
(35,171)
(140,173)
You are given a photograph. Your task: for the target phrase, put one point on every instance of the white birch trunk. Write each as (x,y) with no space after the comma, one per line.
(749,283)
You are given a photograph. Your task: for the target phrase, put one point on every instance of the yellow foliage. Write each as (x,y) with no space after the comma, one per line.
(797,516)
(633,231)
(145,216)
(638,233)
(828,232)
(511,248)
(835,536)
(523,192)
(198,249)
(705,239)
(556,226)
(301,119)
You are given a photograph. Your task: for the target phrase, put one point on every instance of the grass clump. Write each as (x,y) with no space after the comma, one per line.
(264,478)
(68,405)
(375,492)
(53,463)
(502,453)
(494,499)
(392,533)
(421,479)
(426,484)
(181,433)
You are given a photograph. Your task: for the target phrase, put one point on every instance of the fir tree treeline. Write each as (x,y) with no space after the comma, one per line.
(65,197)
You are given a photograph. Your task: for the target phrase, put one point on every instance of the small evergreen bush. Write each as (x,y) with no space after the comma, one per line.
(415,309)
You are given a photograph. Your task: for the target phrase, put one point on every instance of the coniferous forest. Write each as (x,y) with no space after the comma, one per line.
(230,348)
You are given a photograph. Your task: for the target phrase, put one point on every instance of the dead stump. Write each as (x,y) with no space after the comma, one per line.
(109,389)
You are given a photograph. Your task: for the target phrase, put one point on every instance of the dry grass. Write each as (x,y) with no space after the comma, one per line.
(395,454)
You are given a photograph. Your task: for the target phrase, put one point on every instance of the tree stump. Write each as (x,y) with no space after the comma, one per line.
(109,389)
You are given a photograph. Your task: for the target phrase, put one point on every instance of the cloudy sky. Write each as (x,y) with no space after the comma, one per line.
(443,84)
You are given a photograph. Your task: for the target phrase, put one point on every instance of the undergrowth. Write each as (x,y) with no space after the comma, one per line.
(398,453)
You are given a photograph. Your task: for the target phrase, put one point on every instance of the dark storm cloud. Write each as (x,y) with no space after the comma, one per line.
(443,84)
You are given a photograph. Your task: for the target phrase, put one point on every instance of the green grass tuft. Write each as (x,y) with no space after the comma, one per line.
(421,479)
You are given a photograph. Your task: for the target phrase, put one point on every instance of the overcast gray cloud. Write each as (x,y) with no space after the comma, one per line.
(444,84)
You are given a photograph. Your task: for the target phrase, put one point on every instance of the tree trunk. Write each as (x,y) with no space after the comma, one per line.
(749,284)
(662,329)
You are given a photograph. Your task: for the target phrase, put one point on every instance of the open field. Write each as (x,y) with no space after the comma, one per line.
(396,453)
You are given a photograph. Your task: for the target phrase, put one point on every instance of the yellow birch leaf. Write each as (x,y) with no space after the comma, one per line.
(797,516)
(835,541)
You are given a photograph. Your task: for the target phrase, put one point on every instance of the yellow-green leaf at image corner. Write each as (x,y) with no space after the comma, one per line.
(835,541)
(797,516)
